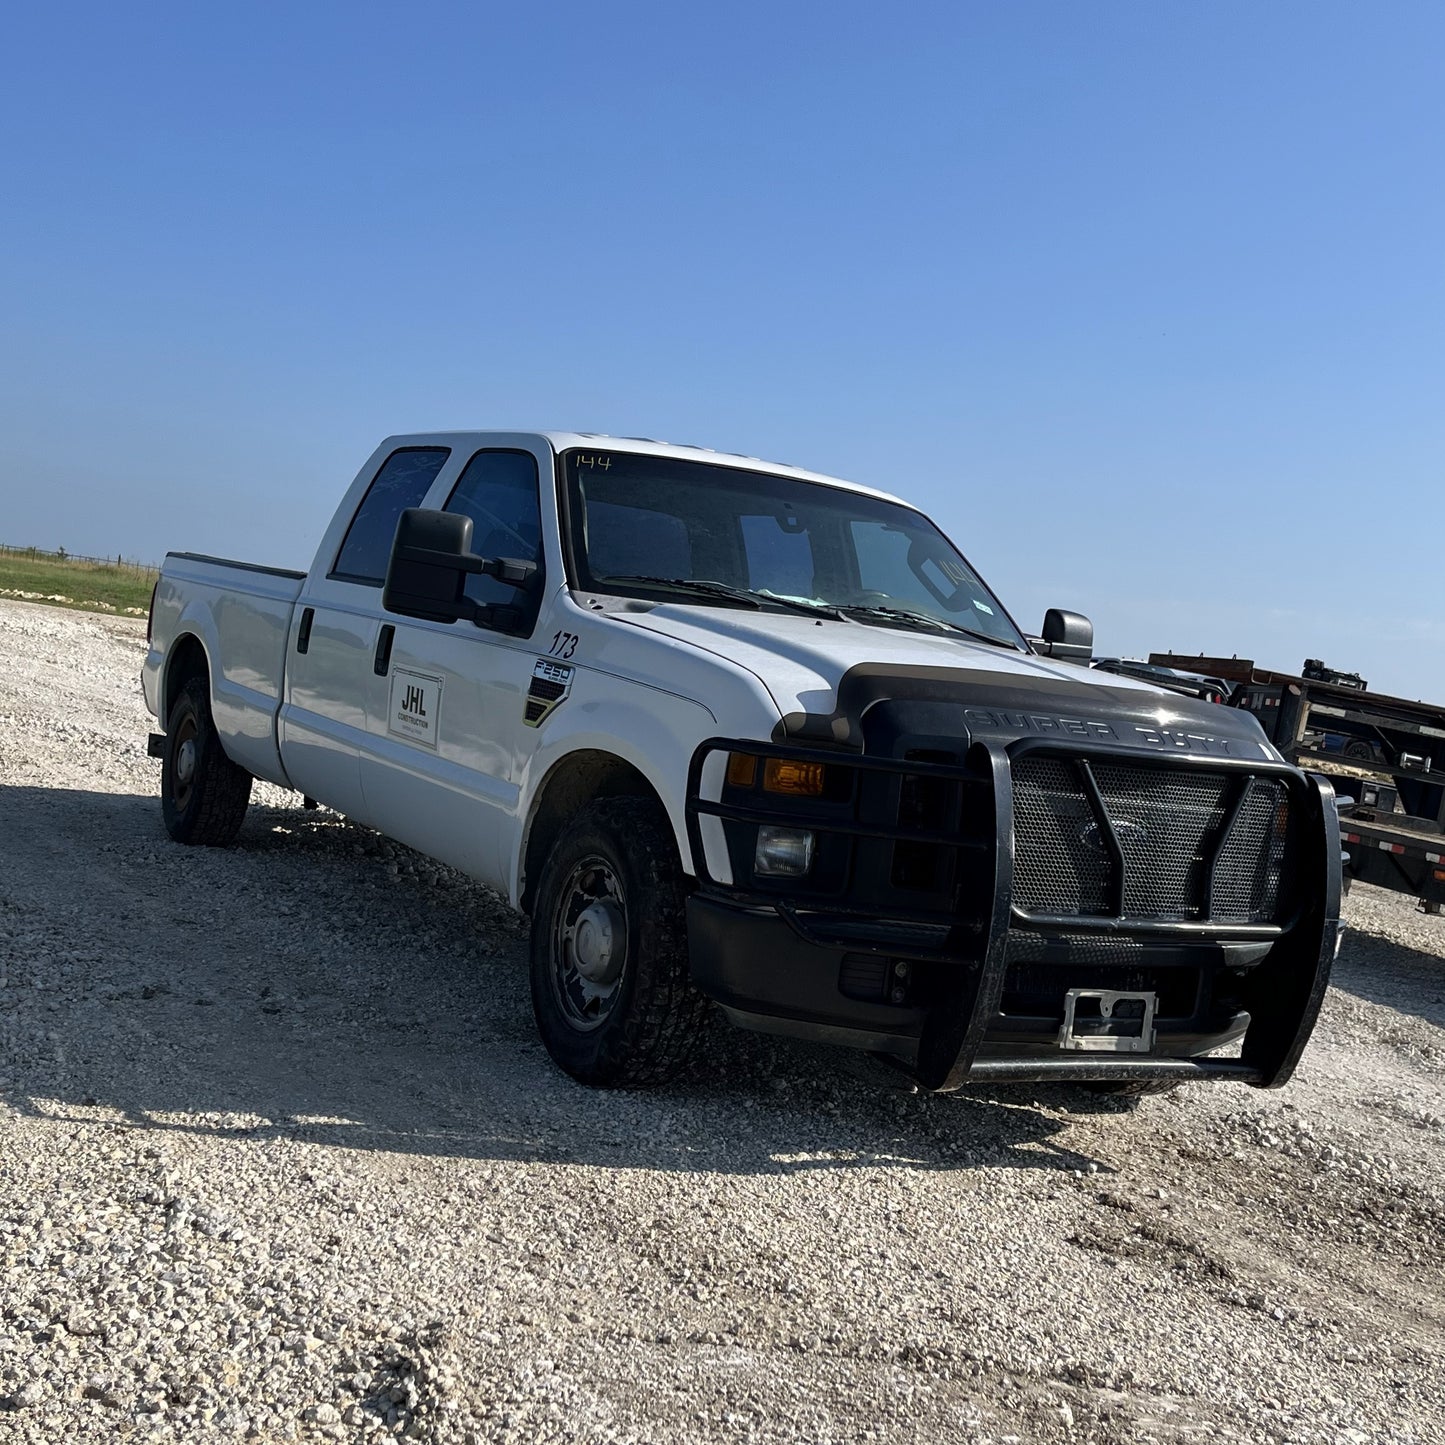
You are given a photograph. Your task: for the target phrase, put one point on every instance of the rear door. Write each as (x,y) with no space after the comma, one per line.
(335,630)
(440,762)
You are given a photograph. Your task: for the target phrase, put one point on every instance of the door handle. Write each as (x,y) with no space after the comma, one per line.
(303,633)
(381,663)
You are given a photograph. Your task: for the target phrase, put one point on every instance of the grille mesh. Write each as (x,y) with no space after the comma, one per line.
(1164,822)
(1168,823)
(1058,866)
(1247,880)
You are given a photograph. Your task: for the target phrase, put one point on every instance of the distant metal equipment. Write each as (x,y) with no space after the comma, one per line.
(1385,755)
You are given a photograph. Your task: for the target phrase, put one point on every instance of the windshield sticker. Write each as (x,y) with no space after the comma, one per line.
(983,606)
(416,707)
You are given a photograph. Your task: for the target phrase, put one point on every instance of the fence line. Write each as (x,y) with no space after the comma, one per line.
(40,554)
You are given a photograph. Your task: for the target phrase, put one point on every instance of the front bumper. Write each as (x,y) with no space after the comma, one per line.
(971,986)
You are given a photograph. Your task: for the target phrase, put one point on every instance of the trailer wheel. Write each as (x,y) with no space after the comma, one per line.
(611,990)
(204,794)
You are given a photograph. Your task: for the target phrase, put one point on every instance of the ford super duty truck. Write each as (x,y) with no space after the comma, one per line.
(738,733)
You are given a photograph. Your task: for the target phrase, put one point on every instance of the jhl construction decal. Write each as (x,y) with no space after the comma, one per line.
(416,707)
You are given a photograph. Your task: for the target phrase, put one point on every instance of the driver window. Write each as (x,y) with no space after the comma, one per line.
(498,491)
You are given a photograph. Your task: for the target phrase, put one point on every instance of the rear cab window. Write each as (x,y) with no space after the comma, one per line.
(402,481)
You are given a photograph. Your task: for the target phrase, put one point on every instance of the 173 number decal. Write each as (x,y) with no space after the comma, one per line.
(564,644)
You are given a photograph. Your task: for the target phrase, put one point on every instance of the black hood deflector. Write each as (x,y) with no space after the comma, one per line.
(969,705)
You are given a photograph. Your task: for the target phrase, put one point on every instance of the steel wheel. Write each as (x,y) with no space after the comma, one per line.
(185,768)
(611,989)
(589,944)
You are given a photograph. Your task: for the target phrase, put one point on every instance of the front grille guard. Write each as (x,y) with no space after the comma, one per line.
(1292,981)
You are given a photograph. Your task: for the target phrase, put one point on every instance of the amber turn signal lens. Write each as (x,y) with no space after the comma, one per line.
(742,770)
(802,780)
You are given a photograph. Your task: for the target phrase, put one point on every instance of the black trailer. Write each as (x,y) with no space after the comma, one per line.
(1385,753)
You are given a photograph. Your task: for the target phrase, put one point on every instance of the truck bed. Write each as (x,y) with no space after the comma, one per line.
(242,566)
(240,613)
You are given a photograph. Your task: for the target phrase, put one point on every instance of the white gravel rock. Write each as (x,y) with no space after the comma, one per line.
(281,1158)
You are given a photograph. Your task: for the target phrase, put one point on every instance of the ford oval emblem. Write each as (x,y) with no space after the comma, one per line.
(1129,833)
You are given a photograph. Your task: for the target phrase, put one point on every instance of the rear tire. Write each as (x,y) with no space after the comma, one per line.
(611,989)
(204,795)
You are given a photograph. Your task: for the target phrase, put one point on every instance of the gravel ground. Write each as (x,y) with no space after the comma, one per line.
(283,1159)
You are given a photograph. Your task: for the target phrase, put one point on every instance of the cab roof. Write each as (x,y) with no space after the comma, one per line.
(561,441)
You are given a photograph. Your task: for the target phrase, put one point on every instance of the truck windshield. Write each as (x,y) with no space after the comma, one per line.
(667,529)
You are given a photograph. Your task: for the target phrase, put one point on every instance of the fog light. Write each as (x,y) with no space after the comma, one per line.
(783,852)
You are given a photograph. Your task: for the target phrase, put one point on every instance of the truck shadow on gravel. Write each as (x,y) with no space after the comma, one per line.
(320,983)
(1381,971)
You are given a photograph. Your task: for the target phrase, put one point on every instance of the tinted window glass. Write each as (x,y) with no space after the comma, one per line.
(779,556)
(403,481)
(633,517)
(916,570)
(625,541)
(498,491)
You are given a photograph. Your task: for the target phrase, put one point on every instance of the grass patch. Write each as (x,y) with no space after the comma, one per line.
(122,589)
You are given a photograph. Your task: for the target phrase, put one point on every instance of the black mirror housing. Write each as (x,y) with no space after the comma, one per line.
(1068,636)
(431,559)
(427,574)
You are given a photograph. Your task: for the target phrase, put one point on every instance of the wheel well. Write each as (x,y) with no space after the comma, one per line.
(580,778)
(187,660)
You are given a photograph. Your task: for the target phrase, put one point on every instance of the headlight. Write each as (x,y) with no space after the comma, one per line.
(783,852)
(802,780)
(780,775)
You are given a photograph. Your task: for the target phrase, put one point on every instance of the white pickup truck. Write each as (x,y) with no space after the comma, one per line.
(735,732)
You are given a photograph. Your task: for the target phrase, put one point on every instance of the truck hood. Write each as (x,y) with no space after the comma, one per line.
(802,659)
(803,662)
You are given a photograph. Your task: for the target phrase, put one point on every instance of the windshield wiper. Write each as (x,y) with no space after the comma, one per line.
(924,619)
(746,595)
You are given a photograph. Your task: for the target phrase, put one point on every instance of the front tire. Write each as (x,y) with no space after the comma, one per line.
(1132,1088)
(204,795)
(611,989)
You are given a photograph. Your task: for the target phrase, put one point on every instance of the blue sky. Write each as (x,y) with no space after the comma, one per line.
(1144,302)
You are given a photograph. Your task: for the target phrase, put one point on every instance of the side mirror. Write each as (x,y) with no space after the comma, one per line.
(431,559)
(1068,636)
